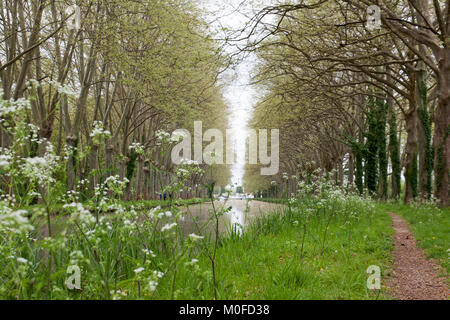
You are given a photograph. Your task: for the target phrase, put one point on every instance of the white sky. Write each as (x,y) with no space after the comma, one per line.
(239,95)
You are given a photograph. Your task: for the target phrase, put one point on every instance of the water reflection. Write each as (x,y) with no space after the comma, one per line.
(235,220)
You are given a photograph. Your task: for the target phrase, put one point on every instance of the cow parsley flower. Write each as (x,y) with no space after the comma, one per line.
(32,83)
(137,147)
(22,260)
(195,237)
(80,213)
(152,285)
(5,160)
(11,107)
(40,169)
(76,257)
(139,270)
(98,133)
(62,89)
(162,135)
(167,214)
(182,173)
(115,184)
(149,252)
(14,221)
(191,263)
(168,227)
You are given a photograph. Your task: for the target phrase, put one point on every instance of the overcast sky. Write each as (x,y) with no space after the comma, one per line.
(239,95)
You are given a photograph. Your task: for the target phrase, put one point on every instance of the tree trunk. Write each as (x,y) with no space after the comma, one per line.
(139,177)
(71,162)
(371,167)
(394,151)
(423,134)
(441,133)
(93,167)
(382,152)
(122,165)
(359,172)
(152,183)
(109,160)
(411,156)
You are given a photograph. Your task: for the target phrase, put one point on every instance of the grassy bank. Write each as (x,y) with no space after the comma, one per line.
(343,238)
(319,249)
(429,224)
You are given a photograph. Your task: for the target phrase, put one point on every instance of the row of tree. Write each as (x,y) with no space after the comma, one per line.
(106,81)
(365,101)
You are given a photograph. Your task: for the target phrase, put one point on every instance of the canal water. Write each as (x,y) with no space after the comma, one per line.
(200,218)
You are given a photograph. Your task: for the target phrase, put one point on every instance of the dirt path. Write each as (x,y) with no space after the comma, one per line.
(414,277)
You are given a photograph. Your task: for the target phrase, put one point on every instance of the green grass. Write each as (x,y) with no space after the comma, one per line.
(265,262)
(431,228)
(344,236)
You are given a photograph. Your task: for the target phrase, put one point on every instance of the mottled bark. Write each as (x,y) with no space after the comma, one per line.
(423,134)
(441,132)
(93,167)
(140,178)
(411,156)
(71,162)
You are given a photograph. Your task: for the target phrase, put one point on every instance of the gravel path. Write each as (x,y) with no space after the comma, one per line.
(414,277)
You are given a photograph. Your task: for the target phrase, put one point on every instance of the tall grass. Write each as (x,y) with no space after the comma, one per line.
(319,247)
(343,237)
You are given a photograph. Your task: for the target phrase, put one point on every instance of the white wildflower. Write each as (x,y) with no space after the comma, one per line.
(167,214)
(152,285)
(22,260)
(195,237)
(98,133)
(138,270)
(80,213)
(14,221)
(137,147)
(149,252)
(168,227)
